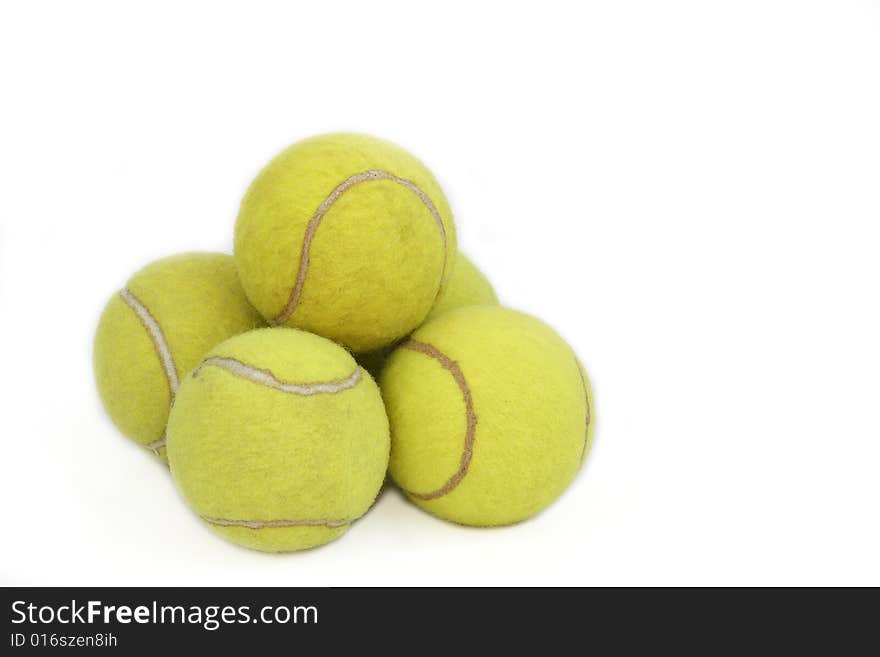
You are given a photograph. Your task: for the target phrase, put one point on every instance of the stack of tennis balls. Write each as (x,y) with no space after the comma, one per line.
(253,375)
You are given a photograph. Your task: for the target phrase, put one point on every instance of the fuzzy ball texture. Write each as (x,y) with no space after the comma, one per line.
(490,414)
(278,440)
(467,286)
(346,236)
(156,329)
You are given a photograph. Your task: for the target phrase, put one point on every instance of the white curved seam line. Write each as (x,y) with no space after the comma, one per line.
(261,524)
(156,335)
(378,174)
(266,378)
(156,445)
(326,204)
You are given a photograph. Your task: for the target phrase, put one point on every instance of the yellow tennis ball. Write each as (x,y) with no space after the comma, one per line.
(346,236)
(278,440)
(467,286)
(490,415)
(156,329)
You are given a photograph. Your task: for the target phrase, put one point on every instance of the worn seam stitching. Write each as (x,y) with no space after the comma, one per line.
(326,204)
(263,524)
(266,378)
(163,352)
(471,418)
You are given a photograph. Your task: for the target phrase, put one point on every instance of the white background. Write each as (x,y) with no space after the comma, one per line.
(688,191)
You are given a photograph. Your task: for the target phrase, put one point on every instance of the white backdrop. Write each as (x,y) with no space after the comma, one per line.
(687,191)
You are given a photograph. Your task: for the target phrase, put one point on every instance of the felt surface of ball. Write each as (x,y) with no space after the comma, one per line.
(156,329)
(490,413)
(467,286)
(346,236)
(278,440)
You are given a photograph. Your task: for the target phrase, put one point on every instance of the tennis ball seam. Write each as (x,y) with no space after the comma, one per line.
(156,445)
(265,377)
(263,524)
(470,434)
(163,352)
(589,415)
(326,204)
(471,417)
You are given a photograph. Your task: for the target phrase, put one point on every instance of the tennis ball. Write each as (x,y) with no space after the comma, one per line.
(490,415)
(156,329)
(346,236)
(467,286)
(278,440)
